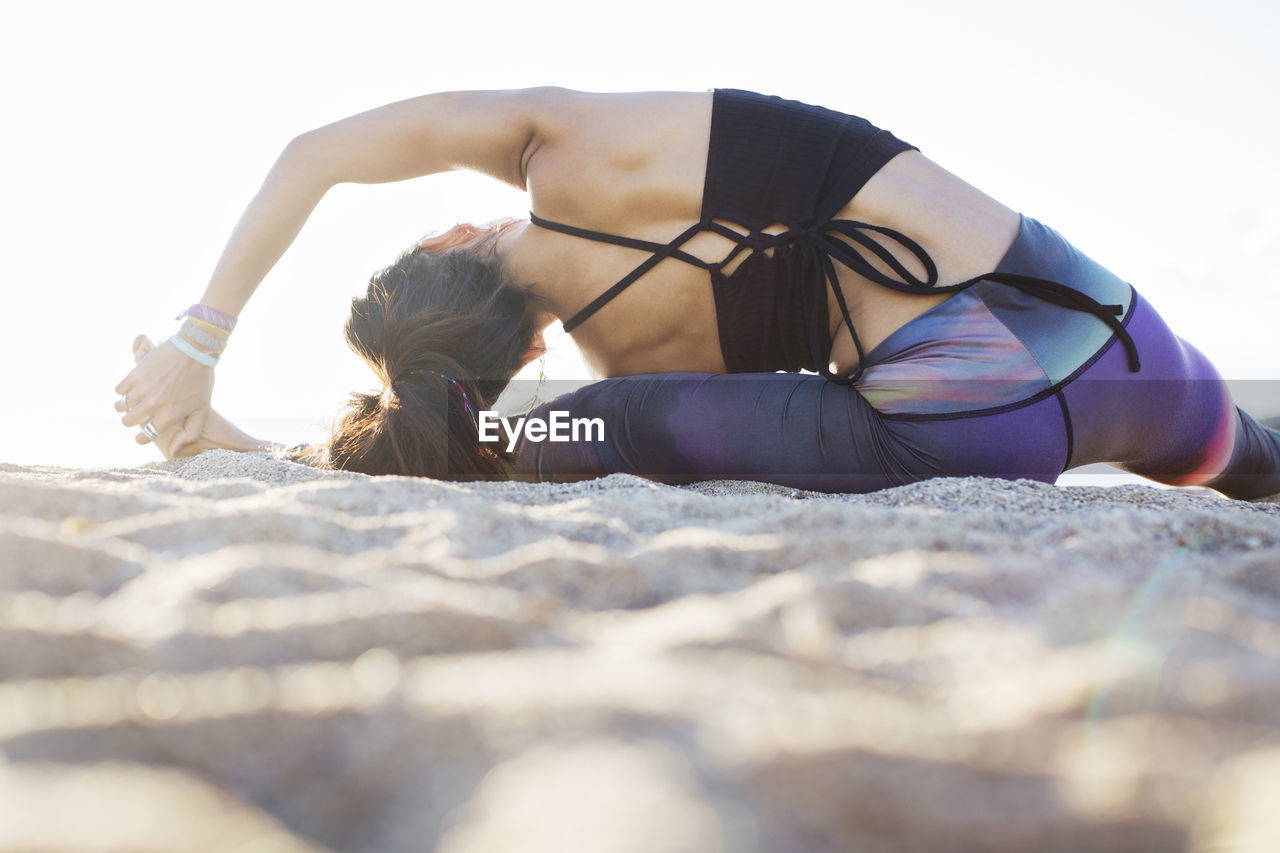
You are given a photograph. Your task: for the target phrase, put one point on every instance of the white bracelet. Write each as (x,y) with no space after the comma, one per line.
(185,346)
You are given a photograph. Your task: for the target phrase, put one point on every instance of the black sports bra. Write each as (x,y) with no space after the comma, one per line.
(774,161)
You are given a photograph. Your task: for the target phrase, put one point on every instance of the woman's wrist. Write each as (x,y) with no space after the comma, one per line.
(208,338)
(204,333)
(192,352)
(209,316)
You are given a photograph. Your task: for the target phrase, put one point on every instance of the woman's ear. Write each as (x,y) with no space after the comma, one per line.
(536,349)
(455,235)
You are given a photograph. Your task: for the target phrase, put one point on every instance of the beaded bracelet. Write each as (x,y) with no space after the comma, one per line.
(211,344)
(185,346)
(210,315)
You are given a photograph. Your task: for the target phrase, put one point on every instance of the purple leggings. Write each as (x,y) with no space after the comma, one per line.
(989,383)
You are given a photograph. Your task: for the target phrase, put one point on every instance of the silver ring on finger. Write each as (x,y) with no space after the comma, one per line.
(149,430)
(124,401)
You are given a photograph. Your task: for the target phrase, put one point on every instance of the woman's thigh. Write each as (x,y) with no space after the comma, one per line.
(793,430)
(1173,421)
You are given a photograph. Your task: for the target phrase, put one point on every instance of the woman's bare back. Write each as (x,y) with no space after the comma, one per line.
(635,165)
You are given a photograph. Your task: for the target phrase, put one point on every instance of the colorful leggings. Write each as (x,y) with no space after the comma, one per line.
(989,383)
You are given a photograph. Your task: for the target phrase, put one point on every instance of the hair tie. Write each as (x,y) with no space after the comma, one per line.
(466,400)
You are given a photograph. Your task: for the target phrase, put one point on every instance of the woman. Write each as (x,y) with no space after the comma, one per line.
(950,335)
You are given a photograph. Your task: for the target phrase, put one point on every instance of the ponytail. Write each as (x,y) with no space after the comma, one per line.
(444,332)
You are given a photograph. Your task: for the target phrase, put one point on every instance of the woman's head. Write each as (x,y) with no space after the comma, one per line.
(434,326)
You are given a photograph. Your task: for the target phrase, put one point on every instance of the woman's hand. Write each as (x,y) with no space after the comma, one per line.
(219,434)
(169,389)
(216,433)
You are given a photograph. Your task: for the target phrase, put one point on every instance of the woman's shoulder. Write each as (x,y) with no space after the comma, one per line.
(639,115)
(614,155)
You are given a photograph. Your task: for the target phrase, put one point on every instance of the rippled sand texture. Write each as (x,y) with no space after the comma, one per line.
(235,653)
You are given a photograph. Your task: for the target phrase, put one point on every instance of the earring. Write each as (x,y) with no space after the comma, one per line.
(536,399)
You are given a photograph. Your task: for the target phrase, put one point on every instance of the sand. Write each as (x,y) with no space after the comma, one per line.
(236,653)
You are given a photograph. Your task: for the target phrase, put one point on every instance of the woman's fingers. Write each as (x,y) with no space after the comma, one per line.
(139,402)
(128,387)
(192,429)
(132,406)
(164,389)
(149,411)
(141,346)
(124,386)
(140,411)
(167,418)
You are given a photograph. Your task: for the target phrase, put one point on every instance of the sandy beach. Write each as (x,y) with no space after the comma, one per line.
(236,653)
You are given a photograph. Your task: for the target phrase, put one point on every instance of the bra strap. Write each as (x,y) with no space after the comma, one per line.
(617,240)
(659,252)
(662,253)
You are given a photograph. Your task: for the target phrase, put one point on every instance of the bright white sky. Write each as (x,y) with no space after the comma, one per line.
(1145,132)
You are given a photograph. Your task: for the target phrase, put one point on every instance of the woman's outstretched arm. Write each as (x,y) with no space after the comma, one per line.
(488,132)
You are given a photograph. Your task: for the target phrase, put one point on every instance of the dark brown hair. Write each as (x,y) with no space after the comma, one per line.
(452,312)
